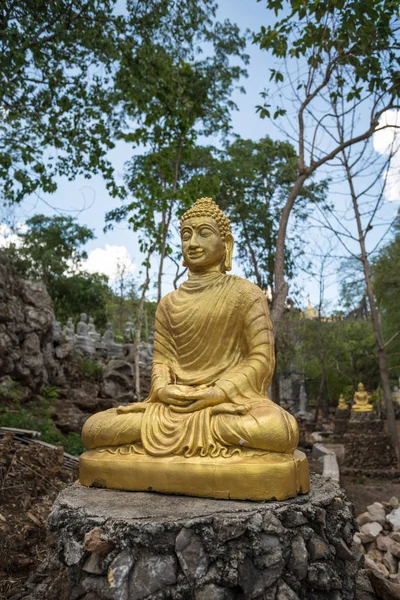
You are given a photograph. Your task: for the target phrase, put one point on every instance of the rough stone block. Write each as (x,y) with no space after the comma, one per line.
(158,547)
(191,554)
(152,572)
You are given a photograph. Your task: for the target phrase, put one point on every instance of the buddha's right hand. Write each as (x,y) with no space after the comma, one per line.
(132,408)
(175,395)
(227,408)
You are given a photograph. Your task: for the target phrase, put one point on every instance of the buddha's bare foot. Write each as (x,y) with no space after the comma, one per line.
(131,408)
(230,409)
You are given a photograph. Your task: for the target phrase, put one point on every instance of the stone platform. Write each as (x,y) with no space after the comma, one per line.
(367,446)
(112,545)
(342,417)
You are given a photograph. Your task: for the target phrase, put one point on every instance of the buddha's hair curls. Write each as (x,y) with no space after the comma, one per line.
(206,207)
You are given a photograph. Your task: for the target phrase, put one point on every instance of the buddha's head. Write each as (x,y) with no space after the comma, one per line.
(207,241)
(360,387)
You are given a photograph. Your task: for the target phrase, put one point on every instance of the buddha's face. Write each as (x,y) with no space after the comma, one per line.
(202,245)
(360,387)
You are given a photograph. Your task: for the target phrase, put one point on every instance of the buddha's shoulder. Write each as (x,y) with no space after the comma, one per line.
(245,288)
(230,284)
(244,285)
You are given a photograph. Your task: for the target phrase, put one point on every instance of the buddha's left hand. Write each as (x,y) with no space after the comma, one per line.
(202,398)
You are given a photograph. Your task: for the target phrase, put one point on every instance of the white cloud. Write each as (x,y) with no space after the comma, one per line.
(111,261)
(9,236)
(387,141)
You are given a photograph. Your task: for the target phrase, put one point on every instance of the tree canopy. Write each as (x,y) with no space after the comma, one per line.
(51,250)
(386,276)
(55,64)
(254,180)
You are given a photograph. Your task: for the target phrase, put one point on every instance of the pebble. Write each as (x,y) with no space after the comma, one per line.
(394,517)
(383,542)
(377,513)
(382,569)
(390,562)
(395,549)
(363,518)
(375,555)
(379,539)
(369,532)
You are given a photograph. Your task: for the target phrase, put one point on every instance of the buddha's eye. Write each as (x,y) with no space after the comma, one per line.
(186,236)
(205,232)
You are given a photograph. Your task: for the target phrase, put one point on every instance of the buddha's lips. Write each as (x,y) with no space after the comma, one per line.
(195,254)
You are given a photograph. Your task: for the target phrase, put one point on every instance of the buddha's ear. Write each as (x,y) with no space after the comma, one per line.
(228,252)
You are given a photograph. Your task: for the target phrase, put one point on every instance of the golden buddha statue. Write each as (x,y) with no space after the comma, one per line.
(207,428)
(361,400)
(342,403)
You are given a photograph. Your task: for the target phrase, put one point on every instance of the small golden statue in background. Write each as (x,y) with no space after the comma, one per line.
(207,427)
(361,400)
(342,403)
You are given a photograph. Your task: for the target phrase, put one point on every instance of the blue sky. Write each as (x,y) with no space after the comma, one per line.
(89,200)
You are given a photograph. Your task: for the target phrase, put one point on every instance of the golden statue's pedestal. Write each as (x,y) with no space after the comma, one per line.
(368,408)
(266,477)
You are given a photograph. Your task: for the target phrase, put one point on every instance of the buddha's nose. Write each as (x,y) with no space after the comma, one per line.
(194,242)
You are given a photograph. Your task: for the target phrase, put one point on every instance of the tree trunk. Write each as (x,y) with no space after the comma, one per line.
(162,256)
(325,403)
(167,217)
(281,287)
(253,258)
(139,323)
(146,326)
(376,325)
(320,395)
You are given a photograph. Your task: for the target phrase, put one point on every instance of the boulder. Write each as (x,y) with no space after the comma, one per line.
(394,518)
(369,532)
(26,327)
(377,513)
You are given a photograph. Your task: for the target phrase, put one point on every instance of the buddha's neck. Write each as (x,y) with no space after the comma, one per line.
(205,273)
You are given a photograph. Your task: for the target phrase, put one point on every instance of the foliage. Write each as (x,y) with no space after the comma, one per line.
(337,60)
(89,369)
(386,276)
(81,293)
(56,60)
(50,250)
(343,347)
(38,418)
(349,36)
(254,181)
(10,391)
(119,310)
(74,73)
(352,284)
(169,96)
(50,247)
(150,179)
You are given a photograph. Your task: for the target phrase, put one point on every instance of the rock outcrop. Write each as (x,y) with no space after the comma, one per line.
(26,322)
(35,353)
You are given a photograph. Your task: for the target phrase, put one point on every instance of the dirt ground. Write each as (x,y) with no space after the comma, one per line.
(363,491)
(31,476)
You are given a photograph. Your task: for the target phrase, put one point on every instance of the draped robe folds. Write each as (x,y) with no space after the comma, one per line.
(214,330)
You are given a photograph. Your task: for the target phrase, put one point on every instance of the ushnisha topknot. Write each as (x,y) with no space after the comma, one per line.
(206,207)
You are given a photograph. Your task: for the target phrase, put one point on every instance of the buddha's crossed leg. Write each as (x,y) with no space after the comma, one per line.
(265,427)
(109,428)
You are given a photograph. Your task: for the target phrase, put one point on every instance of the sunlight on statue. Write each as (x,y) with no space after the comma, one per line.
(213,362)
(361,400)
